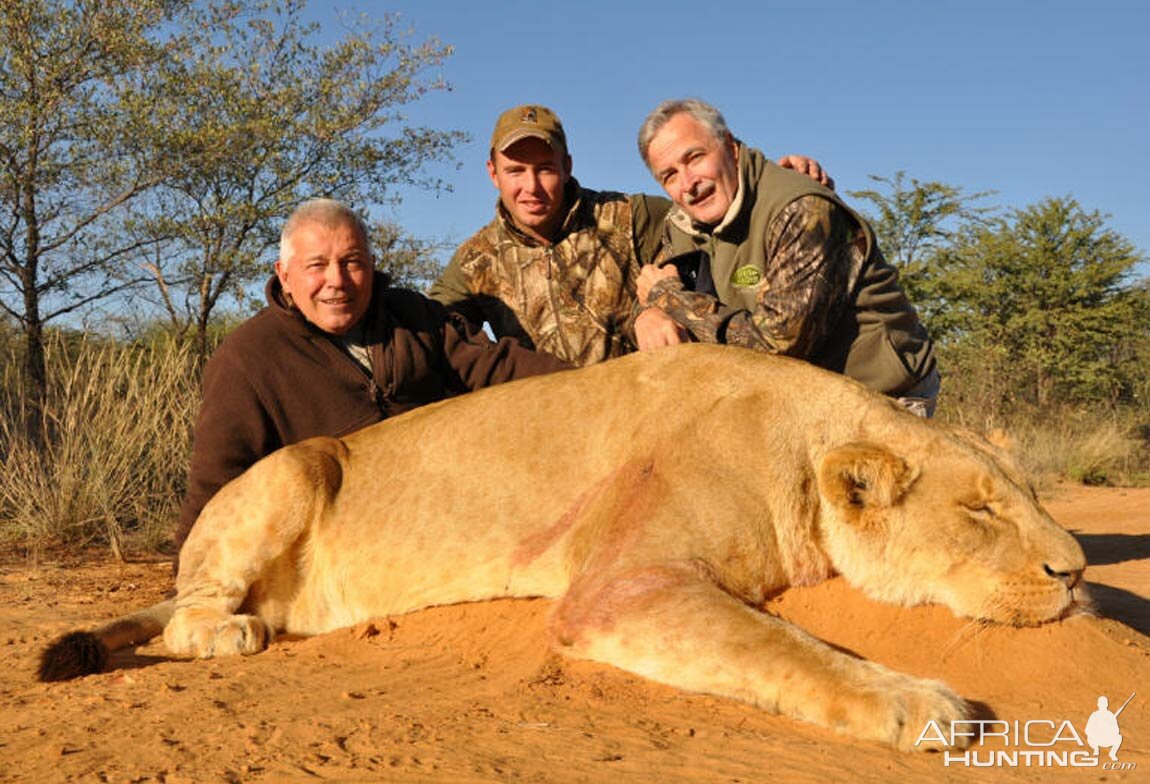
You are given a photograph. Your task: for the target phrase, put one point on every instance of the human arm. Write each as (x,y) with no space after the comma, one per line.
(649,276)
(647,328)
(808,166)
(452,289)
(814,250)
(655,329)
(476,361)
(233,430)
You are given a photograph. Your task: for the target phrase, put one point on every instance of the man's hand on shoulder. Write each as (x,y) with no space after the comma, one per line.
(808,166)
(655,329)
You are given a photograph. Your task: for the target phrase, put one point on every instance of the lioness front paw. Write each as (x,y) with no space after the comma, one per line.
(904,706)
(204,634)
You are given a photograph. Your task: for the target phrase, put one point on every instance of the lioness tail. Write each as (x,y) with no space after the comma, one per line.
(85,653)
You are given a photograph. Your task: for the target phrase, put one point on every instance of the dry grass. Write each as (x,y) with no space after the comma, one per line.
(1089,441)
(1091,448)
(118,420)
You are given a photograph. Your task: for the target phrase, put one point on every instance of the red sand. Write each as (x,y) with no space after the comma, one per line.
(471,692)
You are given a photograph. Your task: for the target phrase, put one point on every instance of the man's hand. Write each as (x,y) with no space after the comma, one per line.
(649,275)
(655,329)
(808,166)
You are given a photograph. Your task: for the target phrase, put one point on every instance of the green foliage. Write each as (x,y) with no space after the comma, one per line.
(256,114)
(1032,308)
(66,76)
(166,141)
(1045,296)
(1040,327)
(914,222)
(408,261)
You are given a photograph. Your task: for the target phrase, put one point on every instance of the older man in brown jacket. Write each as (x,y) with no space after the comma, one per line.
(335,350)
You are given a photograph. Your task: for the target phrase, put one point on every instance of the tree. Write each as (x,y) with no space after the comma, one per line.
(66,102)
(406,260)
(258,115)
(914,222)
(1049,291)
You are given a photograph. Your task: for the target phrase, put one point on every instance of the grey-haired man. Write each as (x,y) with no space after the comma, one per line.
(781,263)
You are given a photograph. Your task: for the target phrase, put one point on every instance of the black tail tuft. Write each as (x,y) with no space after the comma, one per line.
(73,655)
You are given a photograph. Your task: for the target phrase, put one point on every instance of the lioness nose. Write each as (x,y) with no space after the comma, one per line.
(1071,577)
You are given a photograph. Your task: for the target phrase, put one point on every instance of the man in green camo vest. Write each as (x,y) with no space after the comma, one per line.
(777,262)
(557,267)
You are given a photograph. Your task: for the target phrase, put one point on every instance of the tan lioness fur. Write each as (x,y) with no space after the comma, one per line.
(660,498)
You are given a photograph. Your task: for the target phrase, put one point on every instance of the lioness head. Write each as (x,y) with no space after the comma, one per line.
(950,522)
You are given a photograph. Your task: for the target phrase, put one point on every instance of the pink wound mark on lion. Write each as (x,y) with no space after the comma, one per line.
(593,605)
(538,543)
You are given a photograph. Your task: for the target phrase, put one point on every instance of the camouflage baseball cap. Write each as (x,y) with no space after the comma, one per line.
(525,121)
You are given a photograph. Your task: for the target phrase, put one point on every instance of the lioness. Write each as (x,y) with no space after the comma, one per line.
(660,498)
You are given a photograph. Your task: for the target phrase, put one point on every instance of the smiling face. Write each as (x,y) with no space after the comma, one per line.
(328,275)
(699,172)
(531,177)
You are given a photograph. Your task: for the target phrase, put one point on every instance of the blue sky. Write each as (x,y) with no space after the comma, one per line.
(1027,99)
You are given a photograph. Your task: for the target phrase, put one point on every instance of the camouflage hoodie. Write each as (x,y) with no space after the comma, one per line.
(571,297)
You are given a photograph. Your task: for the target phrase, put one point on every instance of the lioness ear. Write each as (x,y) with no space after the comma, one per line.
(862,476)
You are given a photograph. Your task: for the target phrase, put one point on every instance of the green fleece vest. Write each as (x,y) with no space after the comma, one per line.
(878,341)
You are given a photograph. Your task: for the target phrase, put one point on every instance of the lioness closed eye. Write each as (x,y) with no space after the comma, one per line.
(659,498)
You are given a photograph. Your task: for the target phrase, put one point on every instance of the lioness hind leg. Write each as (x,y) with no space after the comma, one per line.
(672,626)
(250,532)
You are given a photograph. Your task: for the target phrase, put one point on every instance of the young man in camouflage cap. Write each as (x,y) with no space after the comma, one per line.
(557,267)
(784,265)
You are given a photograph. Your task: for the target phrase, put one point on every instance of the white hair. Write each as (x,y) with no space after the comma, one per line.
(326,212)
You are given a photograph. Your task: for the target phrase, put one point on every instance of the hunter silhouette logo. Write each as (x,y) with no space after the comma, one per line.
(1035,743)
(1102,728)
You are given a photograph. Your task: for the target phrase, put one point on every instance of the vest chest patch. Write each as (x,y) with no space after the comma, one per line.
(746,276)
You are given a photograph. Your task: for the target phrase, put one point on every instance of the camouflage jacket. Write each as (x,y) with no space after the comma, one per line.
(796,272)
(573,297)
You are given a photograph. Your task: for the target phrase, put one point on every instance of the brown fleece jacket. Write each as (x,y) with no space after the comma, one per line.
(277,380)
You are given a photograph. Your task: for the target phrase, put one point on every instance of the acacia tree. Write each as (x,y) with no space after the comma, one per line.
(259,115)
(914,222)
(1140,354)
(407,261)
(1047,295)
(66,101)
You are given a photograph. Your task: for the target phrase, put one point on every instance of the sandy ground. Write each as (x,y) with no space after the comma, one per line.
(471,692)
